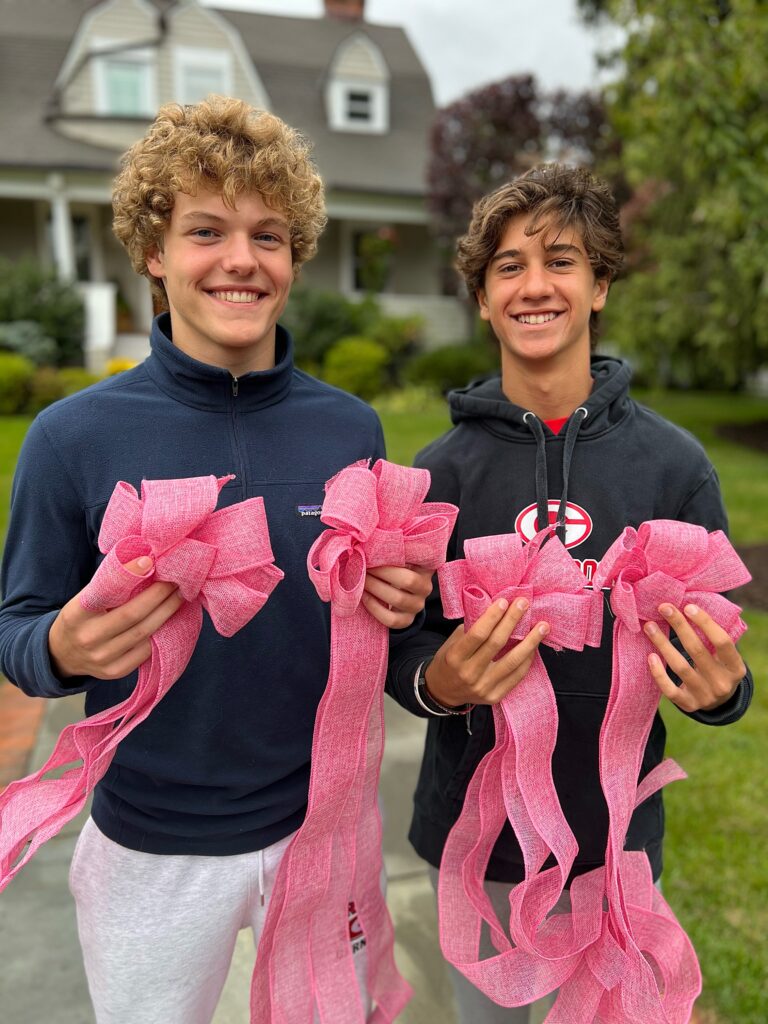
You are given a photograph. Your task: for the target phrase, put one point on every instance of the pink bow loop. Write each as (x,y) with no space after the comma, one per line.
(377,517)
(676,563)
(502,566)
(305,968)
(221,561)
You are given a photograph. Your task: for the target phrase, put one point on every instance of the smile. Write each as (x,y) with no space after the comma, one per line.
(535,318)
(237,297)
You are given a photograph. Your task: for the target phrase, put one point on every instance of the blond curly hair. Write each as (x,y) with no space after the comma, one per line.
(223,145)
(554,195)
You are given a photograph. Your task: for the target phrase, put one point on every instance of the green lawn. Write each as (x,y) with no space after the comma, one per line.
(715,875)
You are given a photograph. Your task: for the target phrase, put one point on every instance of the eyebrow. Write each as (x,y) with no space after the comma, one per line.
(194,215)
(558,249)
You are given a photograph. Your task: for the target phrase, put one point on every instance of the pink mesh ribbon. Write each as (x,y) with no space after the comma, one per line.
(304,962)
(220,561)
(619,956)
(514,780)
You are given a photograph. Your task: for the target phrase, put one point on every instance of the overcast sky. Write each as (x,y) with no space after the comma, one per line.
(467,43)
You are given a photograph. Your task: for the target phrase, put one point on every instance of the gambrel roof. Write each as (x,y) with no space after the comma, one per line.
(292,57)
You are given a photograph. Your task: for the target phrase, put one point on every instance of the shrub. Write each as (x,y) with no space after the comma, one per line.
(75,378)
(45,388)
(450,367)
(358,365)
(118,365)
(16,374)
(318,320)
(28,292)
(27,338)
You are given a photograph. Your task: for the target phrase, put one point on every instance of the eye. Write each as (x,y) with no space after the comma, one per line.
(203,233)
(509,268)
(561,264)
(269,237)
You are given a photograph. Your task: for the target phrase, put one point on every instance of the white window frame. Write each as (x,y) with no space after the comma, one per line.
(338,111)
(198,56)
(143,57)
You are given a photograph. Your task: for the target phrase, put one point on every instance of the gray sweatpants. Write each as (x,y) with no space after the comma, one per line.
(472,1005)
(158,932)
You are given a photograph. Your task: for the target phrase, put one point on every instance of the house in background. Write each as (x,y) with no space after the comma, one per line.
(81,80)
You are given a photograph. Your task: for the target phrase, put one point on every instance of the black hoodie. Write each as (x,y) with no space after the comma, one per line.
(618,464)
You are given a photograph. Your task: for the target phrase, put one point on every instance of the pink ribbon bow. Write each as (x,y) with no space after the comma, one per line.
(378,517)
(514,780)
(220,561)
(619,956)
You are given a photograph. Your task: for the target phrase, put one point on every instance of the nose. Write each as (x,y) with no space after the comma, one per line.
(536,282)
(239,256)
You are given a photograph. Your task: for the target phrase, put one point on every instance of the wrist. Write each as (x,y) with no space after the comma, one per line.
(430,703)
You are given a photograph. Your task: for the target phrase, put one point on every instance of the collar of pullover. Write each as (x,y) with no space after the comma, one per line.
(485,401)
(210,387)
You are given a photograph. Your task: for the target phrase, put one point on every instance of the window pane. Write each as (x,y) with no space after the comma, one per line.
(201,82)
(126,87)
(359,106)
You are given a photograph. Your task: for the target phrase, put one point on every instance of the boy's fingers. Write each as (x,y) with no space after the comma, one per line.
(677,694)
(524,651)
(493,629)
(670,654)
(135,635)
(725,648)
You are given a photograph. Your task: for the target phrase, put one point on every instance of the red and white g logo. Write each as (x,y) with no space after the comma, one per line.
(578,522)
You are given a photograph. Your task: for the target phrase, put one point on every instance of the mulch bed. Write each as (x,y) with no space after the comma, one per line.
(755,594)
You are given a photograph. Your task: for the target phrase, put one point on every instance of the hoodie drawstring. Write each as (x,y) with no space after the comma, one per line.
(542,487)
(260,863)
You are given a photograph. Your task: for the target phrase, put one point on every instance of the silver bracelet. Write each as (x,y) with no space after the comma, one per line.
(428,702)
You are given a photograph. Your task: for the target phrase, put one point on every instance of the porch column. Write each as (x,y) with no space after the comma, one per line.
(61,223)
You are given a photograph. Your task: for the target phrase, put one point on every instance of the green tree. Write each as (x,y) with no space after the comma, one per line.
(690,109)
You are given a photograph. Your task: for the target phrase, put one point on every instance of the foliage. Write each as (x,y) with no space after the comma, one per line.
(318,319)
(118,365)
(497,132)
(16,374)
(356,364)
(45,388)
(75,378)
(452,366)
(375,253)
(27,338)
(690,109)
(28,292)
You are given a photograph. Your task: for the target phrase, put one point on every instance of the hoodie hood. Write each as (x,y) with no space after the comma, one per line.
(484,400)
(606,406)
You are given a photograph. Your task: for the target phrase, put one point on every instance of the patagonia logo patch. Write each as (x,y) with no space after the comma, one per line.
(313,511)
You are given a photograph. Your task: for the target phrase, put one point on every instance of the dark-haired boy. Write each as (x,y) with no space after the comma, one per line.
(555,438)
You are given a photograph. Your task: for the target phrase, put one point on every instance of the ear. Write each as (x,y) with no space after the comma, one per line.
(155,262)
(601,293)
(483,304)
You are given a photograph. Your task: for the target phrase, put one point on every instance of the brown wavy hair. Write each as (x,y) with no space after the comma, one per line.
(556,196)
(223,145)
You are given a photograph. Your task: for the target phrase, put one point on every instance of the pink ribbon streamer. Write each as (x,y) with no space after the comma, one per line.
(220,561)
(377,517)
(620,956)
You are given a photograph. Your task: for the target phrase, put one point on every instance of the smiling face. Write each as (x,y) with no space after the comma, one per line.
(539,293)
(227,275)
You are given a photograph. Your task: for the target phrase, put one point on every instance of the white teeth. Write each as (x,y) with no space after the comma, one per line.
(236,296)
(538,318)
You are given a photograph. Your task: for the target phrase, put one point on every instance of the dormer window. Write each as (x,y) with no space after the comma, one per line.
(357,94)
(125,81)
(199,72)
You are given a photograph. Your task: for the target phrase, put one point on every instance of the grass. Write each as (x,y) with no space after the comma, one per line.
(715,873)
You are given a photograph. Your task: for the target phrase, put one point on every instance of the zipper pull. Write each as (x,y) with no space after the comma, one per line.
(235,387)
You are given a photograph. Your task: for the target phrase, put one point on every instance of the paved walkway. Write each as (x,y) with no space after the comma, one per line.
(41,977)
